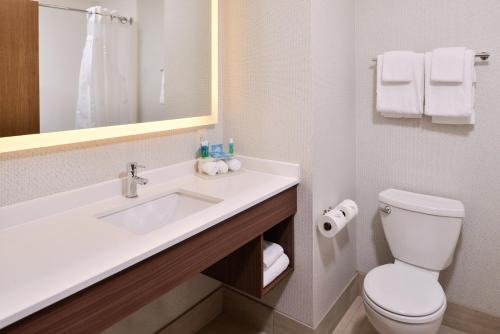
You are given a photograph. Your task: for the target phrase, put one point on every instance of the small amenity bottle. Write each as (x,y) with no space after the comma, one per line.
(204,149)
(231,146)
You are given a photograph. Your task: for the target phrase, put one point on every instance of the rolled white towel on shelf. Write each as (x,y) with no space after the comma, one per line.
(222,167)
(234,165)
(278,267)
(209,168)
(272,252)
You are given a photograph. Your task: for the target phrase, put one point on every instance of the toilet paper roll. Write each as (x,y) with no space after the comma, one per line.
(331,223)
(349,208)
(335,220)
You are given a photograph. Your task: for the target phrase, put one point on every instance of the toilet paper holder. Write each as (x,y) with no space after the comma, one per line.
(330,208)
(325,211)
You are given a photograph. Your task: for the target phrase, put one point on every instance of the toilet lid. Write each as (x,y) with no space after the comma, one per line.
(404,290)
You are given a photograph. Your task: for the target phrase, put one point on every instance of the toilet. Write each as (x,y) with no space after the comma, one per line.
(422,231)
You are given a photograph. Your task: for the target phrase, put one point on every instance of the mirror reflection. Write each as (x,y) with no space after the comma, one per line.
(112,62)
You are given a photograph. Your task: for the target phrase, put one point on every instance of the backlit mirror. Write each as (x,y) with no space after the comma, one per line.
(96,63)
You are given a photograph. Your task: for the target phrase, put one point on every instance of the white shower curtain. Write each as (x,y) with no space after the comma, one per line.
(105,96)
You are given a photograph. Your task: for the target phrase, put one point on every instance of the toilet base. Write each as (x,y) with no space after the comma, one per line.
(385,325)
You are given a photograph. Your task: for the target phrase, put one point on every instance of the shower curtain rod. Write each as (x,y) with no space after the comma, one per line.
(122,19)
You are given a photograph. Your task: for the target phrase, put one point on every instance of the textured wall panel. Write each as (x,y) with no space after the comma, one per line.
(333,144)
(267,103)
(460,162)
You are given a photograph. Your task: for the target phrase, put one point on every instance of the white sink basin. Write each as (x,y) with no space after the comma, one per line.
(153,214)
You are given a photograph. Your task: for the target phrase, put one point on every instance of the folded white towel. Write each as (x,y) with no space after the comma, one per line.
(398,66)
(276,269)
(397,99)
(222,167)
(466,120)
(272,252)
(234,165)
(448,65)
(452,100)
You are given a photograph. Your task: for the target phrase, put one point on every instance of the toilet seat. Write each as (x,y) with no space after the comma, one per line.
(403,293)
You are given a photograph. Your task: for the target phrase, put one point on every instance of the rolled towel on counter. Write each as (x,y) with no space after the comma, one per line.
(209,168)
(222,167)
(278,267)
(234,165)
(272,252)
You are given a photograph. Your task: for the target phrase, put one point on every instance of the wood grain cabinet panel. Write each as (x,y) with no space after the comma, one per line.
(108,301)
(19,86)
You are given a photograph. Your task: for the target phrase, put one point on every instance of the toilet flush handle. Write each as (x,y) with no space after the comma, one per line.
(386,209)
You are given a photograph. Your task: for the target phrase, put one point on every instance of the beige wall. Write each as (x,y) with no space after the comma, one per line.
(175,36)
(267,92)
(333,146)
(187,58)
(455,161)
(289,95)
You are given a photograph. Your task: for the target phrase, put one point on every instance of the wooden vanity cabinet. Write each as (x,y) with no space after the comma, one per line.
(230,251)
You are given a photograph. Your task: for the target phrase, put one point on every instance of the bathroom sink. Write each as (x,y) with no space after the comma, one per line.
(158,212)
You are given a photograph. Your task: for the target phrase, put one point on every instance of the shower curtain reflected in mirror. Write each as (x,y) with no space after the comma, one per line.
(106,94)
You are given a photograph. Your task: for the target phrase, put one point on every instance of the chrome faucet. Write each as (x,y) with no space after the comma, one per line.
(133,180)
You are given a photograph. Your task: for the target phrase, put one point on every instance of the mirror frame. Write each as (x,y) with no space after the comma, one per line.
(51,139)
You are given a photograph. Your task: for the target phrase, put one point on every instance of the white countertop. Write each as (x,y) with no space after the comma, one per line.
(55,246)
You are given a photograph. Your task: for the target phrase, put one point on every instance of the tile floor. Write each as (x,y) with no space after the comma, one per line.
(356,322)
(224,324)
(353,322)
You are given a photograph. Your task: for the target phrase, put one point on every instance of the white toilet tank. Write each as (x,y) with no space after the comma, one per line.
(421,230)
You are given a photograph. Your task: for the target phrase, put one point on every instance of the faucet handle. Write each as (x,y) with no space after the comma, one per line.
(133,166)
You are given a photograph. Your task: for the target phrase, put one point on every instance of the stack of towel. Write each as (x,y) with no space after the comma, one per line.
(445,76)
(450,85)
(275,261)
(400,84)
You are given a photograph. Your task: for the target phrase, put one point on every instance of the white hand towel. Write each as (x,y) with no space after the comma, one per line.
(398,66)
(222,167)
(405,99)
(448,65)
(272,252)
(276,269)
(234,165)
(454,101)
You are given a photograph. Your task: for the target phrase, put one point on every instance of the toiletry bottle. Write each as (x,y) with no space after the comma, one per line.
(207,150)
(204,149)
(231,146)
